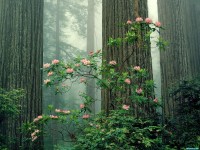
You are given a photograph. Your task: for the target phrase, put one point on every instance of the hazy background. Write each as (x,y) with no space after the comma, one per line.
(71,28)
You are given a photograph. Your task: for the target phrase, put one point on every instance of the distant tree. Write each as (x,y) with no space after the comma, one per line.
(21,59)
(57,17)
(90,45)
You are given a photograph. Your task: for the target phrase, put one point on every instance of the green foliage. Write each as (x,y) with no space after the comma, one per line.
(122,127)
(185,124)
(9,103)
(132,121)
(120,130)
(9,109)
(139,34)
(162,43)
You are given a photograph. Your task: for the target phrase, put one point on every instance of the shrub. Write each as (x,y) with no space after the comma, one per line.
(120,130)
(131,122)
(9,109)
(184,126)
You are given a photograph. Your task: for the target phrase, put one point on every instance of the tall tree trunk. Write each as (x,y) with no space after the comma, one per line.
(90,47)
(116,12)
(181,59)
(21,25)
(58,30)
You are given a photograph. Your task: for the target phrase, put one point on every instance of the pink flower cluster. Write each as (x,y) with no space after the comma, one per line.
(77,65)
(47,65)
(158,24)
(138,19)
(139,90)
(137,68)
(126,107)
(147,20)
(50,73)
(129,22)
(113,62)
(86,62)
(82,106)
(55,61)
(70,70)
(34,136)
(86,116)
(37,119)
(62,111)
(155,100)
(53,117)
(47,81)
(127,81)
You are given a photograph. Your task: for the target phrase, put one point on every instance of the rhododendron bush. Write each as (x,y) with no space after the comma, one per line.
(131,123)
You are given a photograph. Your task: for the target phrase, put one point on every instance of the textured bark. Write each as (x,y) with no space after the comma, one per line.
(21,25)
(116,12)
(181,59)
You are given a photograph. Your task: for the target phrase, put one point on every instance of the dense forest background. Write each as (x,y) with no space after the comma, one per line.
(34,32)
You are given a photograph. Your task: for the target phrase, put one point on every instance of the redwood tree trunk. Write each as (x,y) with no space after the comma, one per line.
(116,12)
(181,59)
(21,27)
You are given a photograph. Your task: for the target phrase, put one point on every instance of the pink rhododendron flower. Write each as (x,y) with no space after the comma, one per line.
(155,100)
(137,68)
(47,65)
(34,138)
(138,19)
(139,91)
(60,111)
(148,20)
(158,24)
(82,80)
(47,81)
(126,107)
(39,117)
(36,119)
(129,22)
(70,70)
(86,116)
(57,110)
(33,135)
(77,65)
(66,111)
(85,61)
(53,117)
(127,81)
(113,62)
(55,61)
(50,73)
(82,106)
